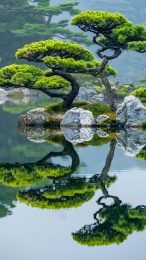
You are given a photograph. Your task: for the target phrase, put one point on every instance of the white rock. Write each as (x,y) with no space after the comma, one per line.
(78,117)
(131,112)
(102,118)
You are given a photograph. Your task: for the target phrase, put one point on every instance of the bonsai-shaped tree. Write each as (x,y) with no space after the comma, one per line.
(113,33)
(61,58)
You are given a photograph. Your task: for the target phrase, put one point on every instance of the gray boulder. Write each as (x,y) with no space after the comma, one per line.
(102,118)
(131,112)
(36,117)
(77,117)
(78,135)
(131,141)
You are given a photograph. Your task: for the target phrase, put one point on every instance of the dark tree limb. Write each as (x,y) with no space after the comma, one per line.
(67,98)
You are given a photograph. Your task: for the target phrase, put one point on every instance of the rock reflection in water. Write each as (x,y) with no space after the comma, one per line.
(131,140)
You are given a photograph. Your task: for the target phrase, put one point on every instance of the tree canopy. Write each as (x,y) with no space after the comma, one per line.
(62,59)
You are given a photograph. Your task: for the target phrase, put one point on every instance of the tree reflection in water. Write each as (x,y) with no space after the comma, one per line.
(114,222)
(66,191)
(61,189)
(29,174)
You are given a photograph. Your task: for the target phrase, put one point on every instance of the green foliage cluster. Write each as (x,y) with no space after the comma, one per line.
(94,235)
(30,174)
(36,199)
(98,21)
(142,154)
(63,56)
(124,37)
(68,188)
(139,46)
(116,222)
(140,93)
(16,176)
(113,30)
(68,64)
(41,49)
(52,171)
(53,82)
(29,76)
(138,212)
(19,74)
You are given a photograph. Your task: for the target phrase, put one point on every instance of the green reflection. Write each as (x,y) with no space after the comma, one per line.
(68,192)
(113,224)
(47,185)
(29,174)
(7,200)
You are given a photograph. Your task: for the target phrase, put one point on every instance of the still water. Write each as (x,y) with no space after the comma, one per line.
(64,201)
(60,200)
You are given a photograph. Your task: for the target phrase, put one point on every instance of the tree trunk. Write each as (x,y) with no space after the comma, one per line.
(70,97)
(107,85)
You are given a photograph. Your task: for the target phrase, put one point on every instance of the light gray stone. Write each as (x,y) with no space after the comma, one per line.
(102,118)
(78,135)
(131,141)
(34,117)
(78,117)
(131,112)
